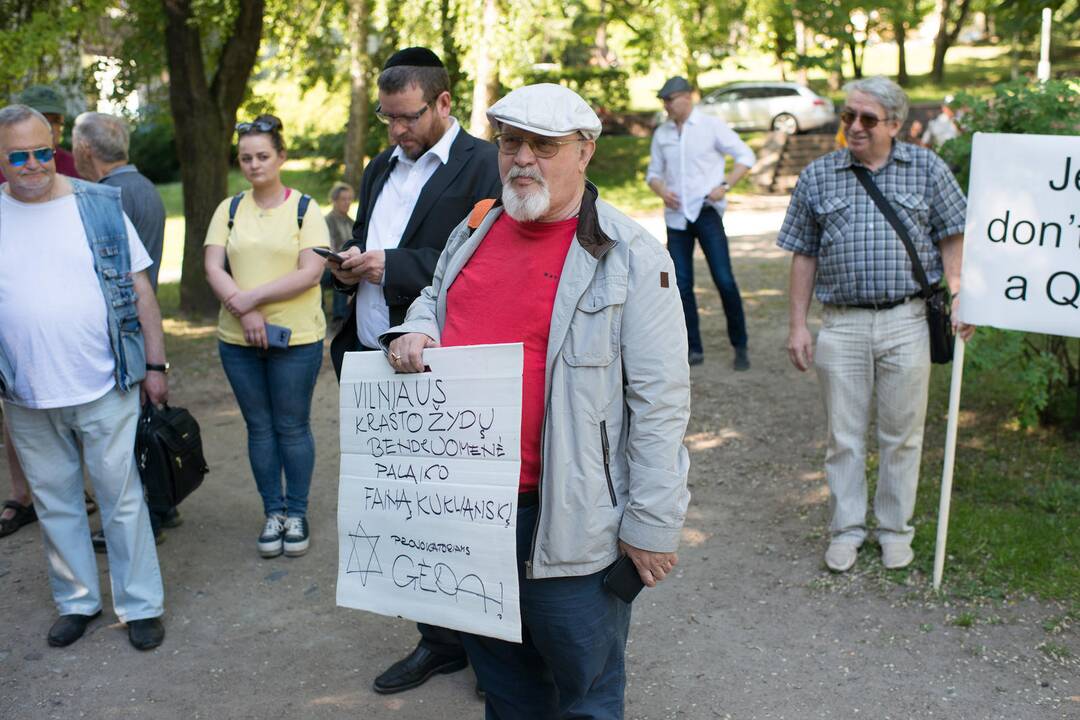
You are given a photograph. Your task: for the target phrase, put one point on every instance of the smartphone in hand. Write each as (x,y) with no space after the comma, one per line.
(622,579)
(329,255)
(277,336)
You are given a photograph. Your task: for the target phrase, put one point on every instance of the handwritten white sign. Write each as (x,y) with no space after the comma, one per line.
(1022,237)
(427,500)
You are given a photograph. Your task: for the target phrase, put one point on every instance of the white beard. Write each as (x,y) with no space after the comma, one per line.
(528,206)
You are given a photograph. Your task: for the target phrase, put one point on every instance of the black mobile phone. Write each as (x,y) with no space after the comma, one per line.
(329,255)
(622,580)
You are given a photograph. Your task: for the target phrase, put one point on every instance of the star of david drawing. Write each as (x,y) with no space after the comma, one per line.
(353,565)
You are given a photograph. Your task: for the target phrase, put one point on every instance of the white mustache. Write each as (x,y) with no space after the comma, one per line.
(533,173)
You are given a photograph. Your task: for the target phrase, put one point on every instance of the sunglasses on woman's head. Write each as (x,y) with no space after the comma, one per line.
(18,158)
(263,126)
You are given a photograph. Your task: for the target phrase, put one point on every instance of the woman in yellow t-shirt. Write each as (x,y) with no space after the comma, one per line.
(260,265)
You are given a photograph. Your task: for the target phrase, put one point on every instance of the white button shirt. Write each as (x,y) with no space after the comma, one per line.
(691,163)
(391,214)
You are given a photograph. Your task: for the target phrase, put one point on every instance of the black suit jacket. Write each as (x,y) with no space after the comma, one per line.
(469,176)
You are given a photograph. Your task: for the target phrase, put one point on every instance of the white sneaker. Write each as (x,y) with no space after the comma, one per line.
(896,555)
(270,541)
(296,536)
(840,556)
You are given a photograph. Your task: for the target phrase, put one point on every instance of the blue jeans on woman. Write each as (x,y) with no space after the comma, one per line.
(708,229)
(274,389)
(571,659)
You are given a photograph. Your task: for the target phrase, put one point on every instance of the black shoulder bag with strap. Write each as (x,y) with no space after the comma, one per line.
(169,453)
(938,302)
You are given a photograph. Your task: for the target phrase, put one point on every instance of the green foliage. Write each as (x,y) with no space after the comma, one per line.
(605,89)
(1019,367)
(153,145)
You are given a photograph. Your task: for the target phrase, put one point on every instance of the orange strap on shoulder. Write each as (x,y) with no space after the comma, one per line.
(479,211)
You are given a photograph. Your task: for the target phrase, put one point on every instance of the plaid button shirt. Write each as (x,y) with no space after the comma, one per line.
(860,257)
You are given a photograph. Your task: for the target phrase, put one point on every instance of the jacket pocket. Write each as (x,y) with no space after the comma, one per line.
(605,447)
(593,339)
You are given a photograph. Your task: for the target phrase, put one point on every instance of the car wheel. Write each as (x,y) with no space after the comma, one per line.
(786,124)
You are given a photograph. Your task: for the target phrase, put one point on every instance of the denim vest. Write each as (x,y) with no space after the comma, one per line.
(103,221)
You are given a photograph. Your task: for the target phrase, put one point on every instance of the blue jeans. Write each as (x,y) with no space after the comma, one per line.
(708,229)
(571,661)
(340,307)
(274,388)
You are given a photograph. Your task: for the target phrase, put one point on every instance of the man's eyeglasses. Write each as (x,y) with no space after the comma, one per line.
(18,158)
(408,119)
(261,125)
(541,147)
(869,121)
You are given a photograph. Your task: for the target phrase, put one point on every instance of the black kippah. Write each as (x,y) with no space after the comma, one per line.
(414,56)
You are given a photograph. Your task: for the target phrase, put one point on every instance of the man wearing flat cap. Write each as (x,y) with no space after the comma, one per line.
(686,169)
(605,400)
(411,196)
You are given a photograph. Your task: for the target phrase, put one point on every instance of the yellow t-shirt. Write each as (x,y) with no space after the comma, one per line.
(262,246)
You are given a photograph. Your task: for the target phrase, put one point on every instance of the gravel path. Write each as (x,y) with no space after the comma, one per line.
(750,626)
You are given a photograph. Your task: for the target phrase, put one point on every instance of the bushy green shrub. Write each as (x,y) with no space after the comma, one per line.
(153,145)
(1040,373)
(606,89)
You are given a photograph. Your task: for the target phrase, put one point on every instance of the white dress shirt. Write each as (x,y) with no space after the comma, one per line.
(691,163)
(390,216)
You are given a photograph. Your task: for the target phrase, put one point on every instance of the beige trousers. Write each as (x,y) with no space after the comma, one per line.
(863,356)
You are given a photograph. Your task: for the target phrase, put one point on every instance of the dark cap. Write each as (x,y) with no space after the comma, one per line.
(44,99)
(676,84)
(414,57)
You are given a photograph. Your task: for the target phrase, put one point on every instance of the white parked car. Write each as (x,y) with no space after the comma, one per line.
(785,106)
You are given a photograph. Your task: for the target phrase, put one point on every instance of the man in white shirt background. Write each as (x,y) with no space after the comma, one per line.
(411,196)
(686,169)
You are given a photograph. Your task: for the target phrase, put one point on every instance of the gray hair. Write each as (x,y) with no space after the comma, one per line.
(15,114)
(886,92)
(340,187)
(433,81)
(107,136)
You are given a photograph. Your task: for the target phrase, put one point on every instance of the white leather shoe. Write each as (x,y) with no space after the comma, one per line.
(896,555)
(841,556)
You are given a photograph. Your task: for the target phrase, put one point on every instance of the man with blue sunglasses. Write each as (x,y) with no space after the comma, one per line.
(71,373)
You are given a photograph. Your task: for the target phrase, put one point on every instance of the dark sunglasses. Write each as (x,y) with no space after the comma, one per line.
(868,121)
(263,126)
(18,158)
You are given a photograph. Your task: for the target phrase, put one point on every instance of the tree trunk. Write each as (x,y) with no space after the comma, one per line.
(856,65)
(900,31)
(359,78)
(486,75)
(800,51)
(946,35)
(450,56)
(204,113)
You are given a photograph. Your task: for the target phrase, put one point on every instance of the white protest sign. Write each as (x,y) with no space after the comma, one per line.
(427,500)
(1021,267)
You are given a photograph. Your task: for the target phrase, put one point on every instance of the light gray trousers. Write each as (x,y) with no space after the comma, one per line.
(52,446)
(862,355)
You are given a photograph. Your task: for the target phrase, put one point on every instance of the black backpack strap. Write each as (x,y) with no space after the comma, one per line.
(887,210)
(301,210)
(233,204)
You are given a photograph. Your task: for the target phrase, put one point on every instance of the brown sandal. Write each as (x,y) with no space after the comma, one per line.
(91,503)
(24,515)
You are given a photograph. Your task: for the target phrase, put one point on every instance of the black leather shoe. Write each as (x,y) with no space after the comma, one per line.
(146,634)
(414,670)
(69,628)
(695,358)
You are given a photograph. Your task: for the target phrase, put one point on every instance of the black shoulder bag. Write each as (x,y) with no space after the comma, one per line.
(938,302)
(169,454)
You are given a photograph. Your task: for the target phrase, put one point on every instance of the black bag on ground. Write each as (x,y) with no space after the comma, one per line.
(938,302)
(169,454)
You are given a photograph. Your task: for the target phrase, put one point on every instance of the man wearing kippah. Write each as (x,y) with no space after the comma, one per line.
(686,169)
(605,400)
(411,196)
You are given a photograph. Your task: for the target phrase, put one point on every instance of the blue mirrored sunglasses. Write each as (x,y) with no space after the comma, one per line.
(18,158)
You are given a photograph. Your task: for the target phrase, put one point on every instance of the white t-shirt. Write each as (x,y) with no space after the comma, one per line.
(53,319)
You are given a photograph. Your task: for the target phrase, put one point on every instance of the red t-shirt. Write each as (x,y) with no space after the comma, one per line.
(505,294)
(65,164)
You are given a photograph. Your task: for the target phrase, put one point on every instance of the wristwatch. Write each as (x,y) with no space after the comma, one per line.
(725,185)
(158,368)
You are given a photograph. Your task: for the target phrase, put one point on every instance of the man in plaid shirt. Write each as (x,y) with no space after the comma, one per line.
(874,340)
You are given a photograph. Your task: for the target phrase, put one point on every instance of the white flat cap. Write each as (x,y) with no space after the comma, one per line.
(546,109)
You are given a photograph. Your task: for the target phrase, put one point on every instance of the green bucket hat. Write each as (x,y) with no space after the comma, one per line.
(44,99)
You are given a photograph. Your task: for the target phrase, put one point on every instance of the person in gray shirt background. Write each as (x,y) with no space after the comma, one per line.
(100,145)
